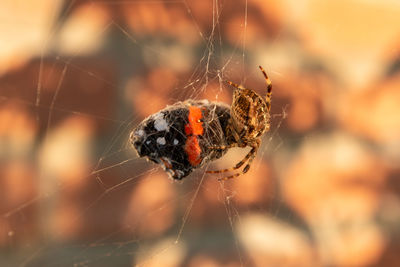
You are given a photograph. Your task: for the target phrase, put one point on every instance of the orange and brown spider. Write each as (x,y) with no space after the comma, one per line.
(189,134)
(250,119)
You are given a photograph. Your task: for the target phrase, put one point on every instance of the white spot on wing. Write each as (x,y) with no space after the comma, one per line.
(140,132)
(180,173)
(176,141)
(161,140)
(160,123)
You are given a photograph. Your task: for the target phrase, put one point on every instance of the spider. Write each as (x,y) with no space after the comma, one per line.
(249,120)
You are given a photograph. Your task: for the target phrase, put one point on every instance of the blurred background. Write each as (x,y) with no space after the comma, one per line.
(77,76)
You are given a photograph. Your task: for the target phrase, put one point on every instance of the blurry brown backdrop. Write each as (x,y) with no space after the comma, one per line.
(77,76)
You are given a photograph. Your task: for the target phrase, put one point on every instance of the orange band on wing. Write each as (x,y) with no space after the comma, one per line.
(195,126)
(193,150)
(192,130)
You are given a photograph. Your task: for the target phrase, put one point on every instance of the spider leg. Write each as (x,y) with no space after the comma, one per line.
(223,147)
(238,165)
(245,169)
(249,157)
(269,88)
(235,85)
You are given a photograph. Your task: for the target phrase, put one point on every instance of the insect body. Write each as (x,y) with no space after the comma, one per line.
(189,134)
(181,137)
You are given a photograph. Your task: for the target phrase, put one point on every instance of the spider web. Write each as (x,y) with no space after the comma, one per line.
(94,230)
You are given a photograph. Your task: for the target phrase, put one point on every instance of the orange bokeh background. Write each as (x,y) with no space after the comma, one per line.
(77,76)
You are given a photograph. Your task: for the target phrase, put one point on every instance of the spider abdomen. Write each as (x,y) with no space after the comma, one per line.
(249,115)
